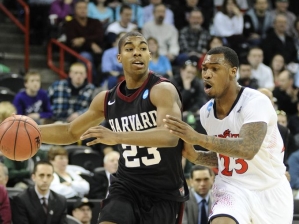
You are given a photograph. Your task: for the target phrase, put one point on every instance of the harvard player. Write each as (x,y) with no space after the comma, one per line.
(243,142)
(149,186)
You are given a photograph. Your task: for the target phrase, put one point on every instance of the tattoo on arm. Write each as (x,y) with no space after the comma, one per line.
(245,146)
(206,159)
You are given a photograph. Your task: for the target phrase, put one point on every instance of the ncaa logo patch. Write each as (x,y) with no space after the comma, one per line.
(145,94)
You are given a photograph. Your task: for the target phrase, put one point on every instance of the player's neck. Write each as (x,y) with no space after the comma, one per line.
(134,82)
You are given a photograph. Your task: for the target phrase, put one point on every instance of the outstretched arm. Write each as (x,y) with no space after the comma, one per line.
(246,146)
(166,99)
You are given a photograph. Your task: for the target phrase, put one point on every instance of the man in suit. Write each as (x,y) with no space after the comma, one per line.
(101,180)
(198,207)
(38,204)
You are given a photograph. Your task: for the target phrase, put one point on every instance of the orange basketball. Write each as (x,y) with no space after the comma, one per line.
(20,137)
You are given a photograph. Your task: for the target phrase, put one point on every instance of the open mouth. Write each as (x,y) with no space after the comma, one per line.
(138,64)
(207,87)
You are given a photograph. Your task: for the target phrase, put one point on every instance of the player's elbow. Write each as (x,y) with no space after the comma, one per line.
(251,155)
(172,141)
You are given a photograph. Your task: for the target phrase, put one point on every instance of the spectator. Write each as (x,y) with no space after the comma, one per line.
(166,34)
(245,76)
(38,204)
(112,70)
(33,101)
(243,5)
(293,122)
(281,8)
(5,208)
(293,162)
(6,110)
(71,97)
(82,210)
(101,180)
(277,65)
(99,11)
(257,22)
(3,174)
(148,12)
(260,71)
(137,13)
(66,182)
(286,93)
(62,9)
(278,42)
(198,206)
(296,36)
(193,39)
(159,64)
(85,36)
(191,88)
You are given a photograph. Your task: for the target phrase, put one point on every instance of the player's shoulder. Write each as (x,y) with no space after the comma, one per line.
(252,94)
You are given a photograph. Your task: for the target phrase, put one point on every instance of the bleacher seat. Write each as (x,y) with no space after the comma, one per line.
(13,191)
(87,158)
(6,94)
(296,210)
(73,148)
(14,82)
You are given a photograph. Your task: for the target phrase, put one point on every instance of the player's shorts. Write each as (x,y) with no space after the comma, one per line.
(270,206)
(127,206)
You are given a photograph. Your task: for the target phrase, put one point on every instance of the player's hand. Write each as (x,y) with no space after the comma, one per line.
(181,129)
(102,135)
(189,152)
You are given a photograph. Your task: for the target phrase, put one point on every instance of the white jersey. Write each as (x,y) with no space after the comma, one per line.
(266,168)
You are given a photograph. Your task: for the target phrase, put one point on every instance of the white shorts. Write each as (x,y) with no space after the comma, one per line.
(271,206)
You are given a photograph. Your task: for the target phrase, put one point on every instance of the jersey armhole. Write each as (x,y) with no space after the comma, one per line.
(105,104)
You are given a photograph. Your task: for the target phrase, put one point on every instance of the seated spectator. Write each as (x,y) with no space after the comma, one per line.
(98,10)
(293,162)
(229,23)
(6,110)
(85,36)
(277,65)
(193,38)
(296,36)
(159,63)
(3,174)
(62,9)
(286,93)
(278,42)
(123,25)
(101,180)
(281,8)
(66,182)
(71,97)
(245,77)
(5,208)
(33,101)
(293,122)
(82,210)
(148,14)
(257,22)
(191,88)
(137,13)
(38,204)
(166,34)
(260,71)
(112,70)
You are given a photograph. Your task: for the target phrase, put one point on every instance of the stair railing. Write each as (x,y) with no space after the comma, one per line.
(23,27)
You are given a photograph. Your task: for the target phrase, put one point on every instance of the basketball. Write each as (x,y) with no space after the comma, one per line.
(20,137)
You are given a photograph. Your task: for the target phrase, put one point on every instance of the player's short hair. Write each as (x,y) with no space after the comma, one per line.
(199,167)
(129,34)
(123,7)
(55,151)
(29,74)
(229,55)
(42,162)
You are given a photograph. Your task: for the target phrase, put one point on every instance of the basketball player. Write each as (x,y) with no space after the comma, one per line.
(149,182)
(243,142)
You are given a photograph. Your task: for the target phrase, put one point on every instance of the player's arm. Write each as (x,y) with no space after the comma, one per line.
(246,146)
(70,132)
(200,157)
(166,99)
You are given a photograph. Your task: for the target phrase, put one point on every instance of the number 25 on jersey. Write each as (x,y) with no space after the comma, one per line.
(240,166)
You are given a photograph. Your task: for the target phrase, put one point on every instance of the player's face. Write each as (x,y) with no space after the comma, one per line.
(217,75)
(33,83)
(43,177)
(134,55)
(201,182)
(83,214)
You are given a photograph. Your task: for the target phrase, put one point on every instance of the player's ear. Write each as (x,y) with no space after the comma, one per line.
(119,58)
(233,72)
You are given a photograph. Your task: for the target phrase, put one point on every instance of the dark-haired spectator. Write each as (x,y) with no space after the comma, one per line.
(193,39)
(245,76)
(38,204)
(71,97)
(296,36)
(286,93)
(166,34)
(98,10)
(259,70)
(257,22)
(293,123)
(85,36)
(123,25)
(277,65)
(281,8)
(159,64)
(278,42)
(148,12)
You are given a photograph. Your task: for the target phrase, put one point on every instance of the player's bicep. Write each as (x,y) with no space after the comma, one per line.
(253,135)
(166,98)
